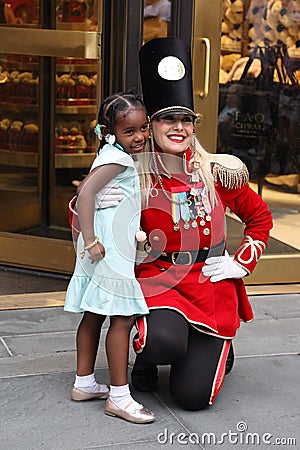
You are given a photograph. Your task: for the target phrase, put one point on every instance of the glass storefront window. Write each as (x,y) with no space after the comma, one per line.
(75,109)
(157,18)
(77,15)
(19,12)
(259,106)
(38,178)
(75,140)
(20,188)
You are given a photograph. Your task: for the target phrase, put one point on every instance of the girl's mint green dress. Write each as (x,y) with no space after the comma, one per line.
(109,287)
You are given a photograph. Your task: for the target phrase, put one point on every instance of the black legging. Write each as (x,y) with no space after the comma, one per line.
(194,356)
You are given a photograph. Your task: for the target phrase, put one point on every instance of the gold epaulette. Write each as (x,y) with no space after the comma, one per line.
(229,170)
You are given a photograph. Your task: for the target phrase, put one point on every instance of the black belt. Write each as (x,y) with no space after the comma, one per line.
(186,258)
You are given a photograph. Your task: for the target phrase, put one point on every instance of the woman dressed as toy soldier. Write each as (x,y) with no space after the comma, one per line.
(193,288)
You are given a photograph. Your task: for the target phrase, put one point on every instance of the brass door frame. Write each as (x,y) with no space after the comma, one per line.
(57,43)
(27,251)
(206,44)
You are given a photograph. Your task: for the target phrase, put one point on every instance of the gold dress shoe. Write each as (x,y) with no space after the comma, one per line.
(79,395)
(142,415)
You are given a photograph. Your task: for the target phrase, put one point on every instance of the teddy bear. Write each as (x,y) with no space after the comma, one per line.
(84,80)
(61,128)
(31,128)
(226,26)
(65,88)
(229,60)
(65,80)
(237,6)
(236,32)
(15,134)
(74,128)
(222,73)
(232,19)
(80,143)
(5,124)
(30,137)
(84,89)
(256,11)
(16,126)
(4,127)
(226,63)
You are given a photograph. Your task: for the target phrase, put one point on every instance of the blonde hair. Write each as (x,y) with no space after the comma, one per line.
(147,170)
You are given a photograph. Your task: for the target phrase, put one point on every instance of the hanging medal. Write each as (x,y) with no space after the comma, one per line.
(175,211)
(184,210)
(199,207)
(198,204)
(192,209)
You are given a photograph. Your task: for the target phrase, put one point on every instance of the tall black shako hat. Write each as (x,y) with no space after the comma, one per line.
(166,76)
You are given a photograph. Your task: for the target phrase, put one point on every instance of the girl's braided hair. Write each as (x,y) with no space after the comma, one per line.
(115,108)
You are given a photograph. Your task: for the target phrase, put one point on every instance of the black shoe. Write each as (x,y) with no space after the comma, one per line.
(144,377)
(230,360)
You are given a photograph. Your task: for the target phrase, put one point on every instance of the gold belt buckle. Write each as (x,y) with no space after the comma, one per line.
(174,257)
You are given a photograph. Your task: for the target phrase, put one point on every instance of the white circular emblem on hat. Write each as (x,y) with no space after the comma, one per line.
(171,68)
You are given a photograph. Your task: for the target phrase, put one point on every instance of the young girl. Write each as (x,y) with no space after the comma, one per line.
(103,283)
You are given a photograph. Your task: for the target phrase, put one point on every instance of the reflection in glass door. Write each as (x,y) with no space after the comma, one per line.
(257,115)
(48,101)
(156,19)
(75,111)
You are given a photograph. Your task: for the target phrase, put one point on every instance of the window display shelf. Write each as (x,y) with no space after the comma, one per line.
(19,107)
(89,109)
(62,161)
(73,26)
(18,65)
(73,160)
(19,159)
(85,68)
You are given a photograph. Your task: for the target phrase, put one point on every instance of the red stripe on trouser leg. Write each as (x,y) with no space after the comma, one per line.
(220,372)
(140,342)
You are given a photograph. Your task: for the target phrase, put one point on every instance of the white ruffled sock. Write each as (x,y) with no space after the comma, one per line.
(121,396)
(89,384)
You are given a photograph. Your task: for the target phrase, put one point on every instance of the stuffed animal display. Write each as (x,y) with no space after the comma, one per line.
(275,22)
(268,22)
(271,22)
(232,20)
(19,87)
(75,89)
(18,135)
(75,137)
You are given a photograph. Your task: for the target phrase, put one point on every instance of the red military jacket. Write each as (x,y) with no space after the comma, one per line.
(214,308)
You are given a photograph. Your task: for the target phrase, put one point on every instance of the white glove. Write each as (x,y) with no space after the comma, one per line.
(221,267)
(109,196)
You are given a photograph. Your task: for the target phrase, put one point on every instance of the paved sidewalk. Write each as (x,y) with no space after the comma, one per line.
(258,405)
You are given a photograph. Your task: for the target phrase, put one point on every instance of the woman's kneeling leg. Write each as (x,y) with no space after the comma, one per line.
(197,378)
(167,337)
(166,343)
